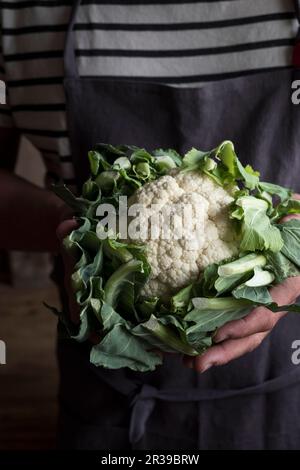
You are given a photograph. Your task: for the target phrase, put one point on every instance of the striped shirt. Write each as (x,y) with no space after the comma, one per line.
(183,43)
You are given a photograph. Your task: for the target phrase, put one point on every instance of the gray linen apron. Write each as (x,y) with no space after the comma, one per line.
(251,403)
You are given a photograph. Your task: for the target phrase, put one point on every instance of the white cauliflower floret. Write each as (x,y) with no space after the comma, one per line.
(181,251)
(161,191)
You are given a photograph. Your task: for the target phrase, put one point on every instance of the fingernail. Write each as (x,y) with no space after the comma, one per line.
(206,367)
(219,339)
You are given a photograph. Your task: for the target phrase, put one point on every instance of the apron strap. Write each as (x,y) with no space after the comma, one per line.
(70,63)
(144,402)
(143,397)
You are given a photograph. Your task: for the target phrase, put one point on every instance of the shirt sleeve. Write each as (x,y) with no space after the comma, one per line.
(6,119)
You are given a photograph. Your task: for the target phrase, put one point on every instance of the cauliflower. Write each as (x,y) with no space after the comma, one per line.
(205,238)
(192,211)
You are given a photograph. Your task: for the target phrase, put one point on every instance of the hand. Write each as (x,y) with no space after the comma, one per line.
(239,337)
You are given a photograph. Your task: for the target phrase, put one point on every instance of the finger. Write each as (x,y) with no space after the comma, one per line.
(287,291)
(290,217)
(65,228)
(258,321)
(227,351)
(261,319)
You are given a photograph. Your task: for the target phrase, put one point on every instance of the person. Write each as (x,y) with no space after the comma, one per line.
(177,74)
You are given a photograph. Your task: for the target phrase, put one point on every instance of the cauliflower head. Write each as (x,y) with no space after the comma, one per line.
(196,234)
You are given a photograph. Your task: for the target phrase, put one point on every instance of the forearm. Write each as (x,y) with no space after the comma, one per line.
(29,215)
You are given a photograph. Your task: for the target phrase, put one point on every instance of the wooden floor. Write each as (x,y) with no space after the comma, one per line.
(28,381)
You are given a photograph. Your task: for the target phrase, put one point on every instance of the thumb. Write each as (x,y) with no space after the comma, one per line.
(65,228)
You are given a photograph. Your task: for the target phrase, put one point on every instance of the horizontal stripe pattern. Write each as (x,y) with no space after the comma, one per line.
(6,119)
(60,145)
(162,27)
(55,3)
(53,122)
(111,40)
(35,69)
(8,4)
(38,107)
(190,43)
(194,52)
(2,69)
(35,82)
(184,80)
(5,111)
(167,13)
(170,67)
(168,71)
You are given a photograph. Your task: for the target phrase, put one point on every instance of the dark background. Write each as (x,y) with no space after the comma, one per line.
(28,381)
